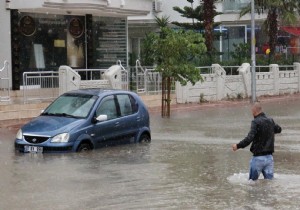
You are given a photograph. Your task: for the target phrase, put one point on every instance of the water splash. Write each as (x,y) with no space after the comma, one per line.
(285,181)
(239,178)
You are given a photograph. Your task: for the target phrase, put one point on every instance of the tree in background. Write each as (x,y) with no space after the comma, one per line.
(209,13)
(241,53)
(147,53)
(173,52)
(202,20)
(192,12)
(277,10)
(147,56)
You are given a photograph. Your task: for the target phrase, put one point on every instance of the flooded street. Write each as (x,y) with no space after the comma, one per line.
(188,165)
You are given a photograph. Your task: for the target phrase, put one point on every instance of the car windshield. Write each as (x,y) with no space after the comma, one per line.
(71,105)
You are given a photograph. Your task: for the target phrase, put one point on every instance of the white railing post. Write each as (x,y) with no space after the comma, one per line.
(124,71)
(24,86)
(274,68)
(139,70)
(220,75)
(4,76)
(68,79)
(244,70)
(297,69)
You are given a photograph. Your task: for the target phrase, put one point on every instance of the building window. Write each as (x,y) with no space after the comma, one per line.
(49,41)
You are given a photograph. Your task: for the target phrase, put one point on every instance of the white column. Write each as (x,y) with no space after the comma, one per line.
(244,70)
(5,43)
(275,69)
(297,69)
(220,75)
(182,95)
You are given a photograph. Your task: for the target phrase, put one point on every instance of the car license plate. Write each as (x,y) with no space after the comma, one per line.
(33,149)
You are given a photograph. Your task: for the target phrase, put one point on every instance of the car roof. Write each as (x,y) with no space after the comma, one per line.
(95,91)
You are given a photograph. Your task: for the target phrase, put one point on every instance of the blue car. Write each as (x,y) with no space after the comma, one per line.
(86,119)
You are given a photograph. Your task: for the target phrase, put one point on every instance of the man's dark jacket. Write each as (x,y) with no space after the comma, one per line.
(261,135)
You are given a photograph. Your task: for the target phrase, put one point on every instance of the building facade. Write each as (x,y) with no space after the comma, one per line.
(41,35)
(235,29)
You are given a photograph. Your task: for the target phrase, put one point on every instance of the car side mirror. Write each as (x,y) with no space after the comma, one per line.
(101,118)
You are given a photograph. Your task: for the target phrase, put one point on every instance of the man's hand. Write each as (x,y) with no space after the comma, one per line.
(234,147)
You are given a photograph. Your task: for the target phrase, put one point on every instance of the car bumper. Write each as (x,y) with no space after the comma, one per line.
(47,147)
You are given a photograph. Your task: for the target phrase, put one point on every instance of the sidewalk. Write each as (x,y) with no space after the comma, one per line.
(17,123)
(225,103)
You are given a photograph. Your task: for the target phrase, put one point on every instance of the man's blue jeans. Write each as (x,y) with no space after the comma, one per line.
(261,164)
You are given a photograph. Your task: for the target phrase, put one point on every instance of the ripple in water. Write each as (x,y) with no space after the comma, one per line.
(288,182)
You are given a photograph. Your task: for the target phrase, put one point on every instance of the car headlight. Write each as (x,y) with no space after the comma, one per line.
(61,138)
(19,134)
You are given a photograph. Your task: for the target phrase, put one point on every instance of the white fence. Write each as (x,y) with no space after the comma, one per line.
(40,85)
(4,82)
(46,85)
(218,85)
(148,80)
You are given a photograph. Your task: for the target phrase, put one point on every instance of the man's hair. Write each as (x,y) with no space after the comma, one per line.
(257,107)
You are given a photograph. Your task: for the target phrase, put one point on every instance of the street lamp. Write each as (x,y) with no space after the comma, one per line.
(253,61)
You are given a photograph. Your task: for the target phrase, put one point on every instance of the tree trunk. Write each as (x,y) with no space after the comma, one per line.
(272,29)
(208,8)
(166,97)
(163,96)
(169,82)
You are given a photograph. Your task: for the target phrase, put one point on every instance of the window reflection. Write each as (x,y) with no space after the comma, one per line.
(49,41)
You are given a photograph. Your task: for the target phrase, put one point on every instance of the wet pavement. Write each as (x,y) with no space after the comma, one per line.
(188,165)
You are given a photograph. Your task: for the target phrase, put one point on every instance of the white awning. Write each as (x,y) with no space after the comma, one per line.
(110,8)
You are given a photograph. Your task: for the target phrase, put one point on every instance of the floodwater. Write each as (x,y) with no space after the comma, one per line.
(188,165)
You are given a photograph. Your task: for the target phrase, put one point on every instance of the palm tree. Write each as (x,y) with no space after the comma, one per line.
(202,20)
(209,12)
(277,10)
(162,22)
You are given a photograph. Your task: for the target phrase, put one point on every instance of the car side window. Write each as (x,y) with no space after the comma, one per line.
(125,104)
(134,104)
(108,107)
(128,104)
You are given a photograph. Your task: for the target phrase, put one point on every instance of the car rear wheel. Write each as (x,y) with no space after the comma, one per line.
(144,138)
(84,147)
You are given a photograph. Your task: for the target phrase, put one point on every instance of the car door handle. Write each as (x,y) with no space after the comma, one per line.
(117,124)
(138,118)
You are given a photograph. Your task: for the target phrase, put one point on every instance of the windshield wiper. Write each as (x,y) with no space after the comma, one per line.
(46,113)
(65,115)
(60,115)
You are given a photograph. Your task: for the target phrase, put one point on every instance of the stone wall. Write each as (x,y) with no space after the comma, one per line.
(218,85)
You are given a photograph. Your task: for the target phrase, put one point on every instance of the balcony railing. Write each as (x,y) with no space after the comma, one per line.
(234,5)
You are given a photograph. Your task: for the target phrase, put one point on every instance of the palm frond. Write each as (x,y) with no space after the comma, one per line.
(245,10)
(163,21)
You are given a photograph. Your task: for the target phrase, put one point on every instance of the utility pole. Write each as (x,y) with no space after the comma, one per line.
(253,60)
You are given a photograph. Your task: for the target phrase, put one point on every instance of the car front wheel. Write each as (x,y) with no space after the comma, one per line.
(84,147)
(144,138)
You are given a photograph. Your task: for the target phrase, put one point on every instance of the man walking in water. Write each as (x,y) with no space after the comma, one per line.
(261,135)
